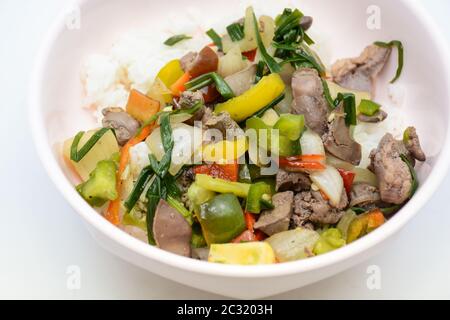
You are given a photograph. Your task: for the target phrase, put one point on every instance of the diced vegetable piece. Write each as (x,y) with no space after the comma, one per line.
(249,253)
(255,195)
(136,217)
(179,86)
(368,107)
(101,185)
(291,125)
(225,151)
(187,140)
(293,244)
(348,177)
(345,222)
(141,107)
(302,163)
(221,218)
(335,89)
(231,62)
(244,106)
(228,172)
(160,92)
(268,31)
(198,240)
(284,147)
(365,176)
(249,41)
(104,149)
(169,74)
(311,143)
(329,182)
(363,224)
(222,186)
(270,117)
(198,195)
(330,240)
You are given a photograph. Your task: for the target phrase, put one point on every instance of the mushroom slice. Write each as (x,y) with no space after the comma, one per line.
(171,231)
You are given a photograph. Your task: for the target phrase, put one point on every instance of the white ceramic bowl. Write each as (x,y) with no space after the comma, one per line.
(55,113)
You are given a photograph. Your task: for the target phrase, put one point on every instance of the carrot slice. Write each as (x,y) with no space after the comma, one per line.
(112,214)
(179,86)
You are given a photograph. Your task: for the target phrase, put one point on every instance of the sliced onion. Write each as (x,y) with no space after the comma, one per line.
(361,175)
(180,118)
(365,176)
(187,140)
(311,143)
(231,62)
(329,182)
(338,163)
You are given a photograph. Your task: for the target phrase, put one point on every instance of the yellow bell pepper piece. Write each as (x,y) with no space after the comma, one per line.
(222,186)
(249,253)
(264,92)
(225,151)
(168,75)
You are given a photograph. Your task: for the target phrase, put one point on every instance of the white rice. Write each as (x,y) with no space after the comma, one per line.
(134,60)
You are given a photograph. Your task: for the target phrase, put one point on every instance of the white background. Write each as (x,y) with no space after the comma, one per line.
(41,236)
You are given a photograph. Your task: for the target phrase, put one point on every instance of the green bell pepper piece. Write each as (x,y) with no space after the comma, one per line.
(222,219)
(291,126)
(330,240)
(368,107)
(258,191)
(101,185)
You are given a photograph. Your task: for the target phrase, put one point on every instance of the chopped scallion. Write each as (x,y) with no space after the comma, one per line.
(76,155)
(215,38)
(400,49)
(175,39)
(236,32)
(348,99)
(273,66)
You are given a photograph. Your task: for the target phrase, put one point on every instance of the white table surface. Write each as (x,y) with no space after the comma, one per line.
(41,236)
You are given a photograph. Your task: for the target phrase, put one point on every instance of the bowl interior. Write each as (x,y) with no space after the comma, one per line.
(340,26)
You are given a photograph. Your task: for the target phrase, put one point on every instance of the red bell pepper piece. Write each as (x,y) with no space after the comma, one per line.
(348,178)
(250,55)
(228,172)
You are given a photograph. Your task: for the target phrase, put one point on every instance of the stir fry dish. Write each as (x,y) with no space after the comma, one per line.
(244,152)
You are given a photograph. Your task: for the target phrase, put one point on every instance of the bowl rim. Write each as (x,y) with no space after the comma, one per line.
(121,238)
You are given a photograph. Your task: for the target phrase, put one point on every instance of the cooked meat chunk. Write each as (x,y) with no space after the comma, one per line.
(277,220)
(124,125)
(222,122)
(310,206)
(189,99)
(364,195)
(292,181)
(171,230)
(187,60)
(309,100)
(200,63)
(338,140)
(412,144)
(377,117)
(242,81)
(393,174)
(359,73)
